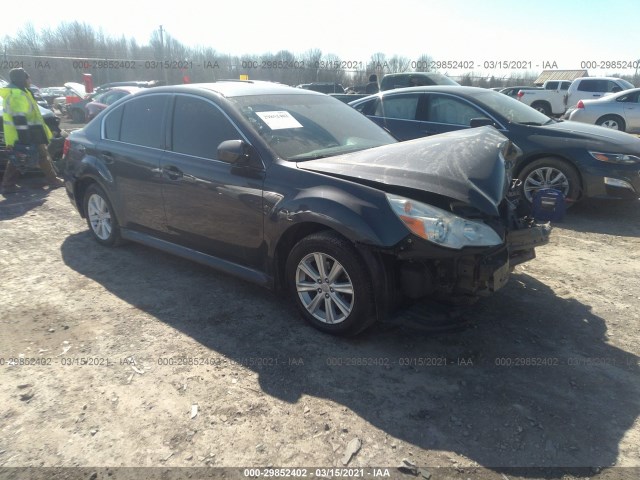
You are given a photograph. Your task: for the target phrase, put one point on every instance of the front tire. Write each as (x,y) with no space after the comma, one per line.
(612,121)
(101,218)
(331,284)
(550,173)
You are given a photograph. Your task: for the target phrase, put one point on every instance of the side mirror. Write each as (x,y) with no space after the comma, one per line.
(481,122)
(231,151)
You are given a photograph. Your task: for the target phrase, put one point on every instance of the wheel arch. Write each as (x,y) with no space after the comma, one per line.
(616,116)
(544,103)
(376,264)
(538,156)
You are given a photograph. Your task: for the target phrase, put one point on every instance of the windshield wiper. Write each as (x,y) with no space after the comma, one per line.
(533,124)
(309,157)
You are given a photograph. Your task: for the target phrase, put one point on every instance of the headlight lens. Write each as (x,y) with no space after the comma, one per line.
(442,227)
(621,158)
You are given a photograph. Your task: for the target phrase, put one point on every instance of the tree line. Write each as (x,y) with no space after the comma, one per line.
(62,54)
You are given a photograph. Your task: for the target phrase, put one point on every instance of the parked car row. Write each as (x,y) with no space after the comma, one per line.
(565,95)
(296,191)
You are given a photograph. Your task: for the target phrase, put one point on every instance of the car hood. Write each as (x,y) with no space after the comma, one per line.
(77,87)
(468,166)
(598,137)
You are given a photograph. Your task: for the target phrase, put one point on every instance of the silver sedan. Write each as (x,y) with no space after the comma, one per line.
(620,111)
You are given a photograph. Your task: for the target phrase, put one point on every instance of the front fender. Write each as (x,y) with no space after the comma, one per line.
(366,219)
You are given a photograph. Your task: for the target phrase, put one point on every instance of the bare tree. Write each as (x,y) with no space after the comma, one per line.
(398,64)
(423,63)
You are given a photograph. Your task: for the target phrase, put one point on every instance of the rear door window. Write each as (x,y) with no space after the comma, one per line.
(593,86)
(403,107)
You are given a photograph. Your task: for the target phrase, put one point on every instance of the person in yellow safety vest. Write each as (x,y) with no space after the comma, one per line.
(23,124)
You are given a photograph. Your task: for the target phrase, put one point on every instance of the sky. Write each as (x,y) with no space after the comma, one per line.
(533,34)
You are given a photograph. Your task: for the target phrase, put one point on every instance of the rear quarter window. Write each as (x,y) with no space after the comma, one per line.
(112,123)
(142,121)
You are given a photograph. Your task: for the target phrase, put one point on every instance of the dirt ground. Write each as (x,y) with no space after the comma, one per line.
(130,357)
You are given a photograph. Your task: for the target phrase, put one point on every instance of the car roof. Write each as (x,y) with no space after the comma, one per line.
(125,88)
(457,90)
(235,88)
(597,78)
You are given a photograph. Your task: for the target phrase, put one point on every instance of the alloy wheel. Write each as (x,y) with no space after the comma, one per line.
(324,288)
(545,177)
(99,216)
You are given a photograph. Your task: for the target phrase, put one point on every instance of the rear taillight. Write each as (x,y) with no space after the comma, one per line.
(66,147)
(520,94)
(580,104)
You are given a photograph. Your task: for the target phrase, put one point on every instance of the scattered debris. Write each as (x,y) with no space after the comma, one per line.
(93,431)
(25,397)
(65,349)
(24,385)
(194,410)
(137,370)
(306,409)
(352,449)
(407,466)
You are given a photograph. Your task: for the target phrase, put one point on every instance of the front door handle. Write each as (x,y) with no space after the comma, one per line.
(172,173)
(107,157)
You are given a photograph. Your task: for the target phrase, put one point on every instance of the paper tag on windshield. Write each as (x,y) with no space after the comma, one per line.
(279,120)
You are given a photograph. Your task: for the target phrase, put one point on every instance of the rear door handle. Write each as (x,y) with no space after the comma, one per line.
(173,173)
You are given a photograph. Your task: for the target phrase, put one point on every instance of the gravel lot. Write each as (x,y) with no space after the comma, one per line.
(137,358)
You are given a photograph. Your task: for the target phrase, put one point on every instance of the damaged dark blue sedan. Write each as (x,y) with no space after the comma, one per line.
(294,190)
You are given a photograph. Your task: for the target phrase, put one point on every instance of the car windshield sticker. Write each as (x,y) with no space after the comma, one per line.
(279,120)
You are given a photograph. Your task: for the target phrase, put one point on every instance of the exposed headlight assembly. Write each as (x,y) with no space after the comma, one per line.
(441,227)
(621,158)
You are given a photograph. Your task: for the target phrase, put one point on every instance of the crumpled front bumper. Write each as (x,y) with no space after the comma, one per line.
(470,272)
(521,243)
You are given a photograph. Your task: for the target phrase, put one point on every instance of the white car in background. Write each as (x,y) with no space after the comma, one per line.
(620,111)
(591,88)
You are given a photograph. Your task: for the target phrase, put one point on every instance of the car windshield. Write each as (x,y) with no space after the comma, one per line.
(513,110)
(625,84)
(304,127)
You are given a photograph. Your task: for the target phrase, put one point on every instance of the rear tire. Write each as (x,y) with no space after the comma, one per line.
(101,217)
(331,284)
(542,107)
(612,121)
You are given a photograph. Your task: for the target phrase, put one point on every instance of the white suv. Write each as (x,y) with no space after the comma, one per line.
(589,88)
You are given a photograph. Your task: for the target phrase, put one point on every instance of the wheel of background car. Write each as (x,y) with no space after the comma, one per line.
(331,284)
(550,173)
(77,116)
(542,107)
(101,217)
(612,121)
